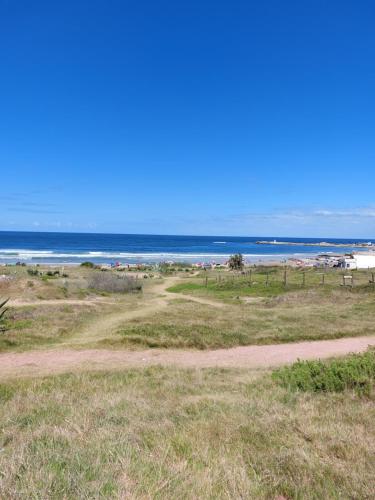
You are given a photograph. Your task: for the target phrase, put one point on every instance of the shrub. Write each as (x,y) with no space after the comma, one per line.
(88,264)
(236,262)
(53,273)
(356,371)
(3,310)
(32,272)
(109,282)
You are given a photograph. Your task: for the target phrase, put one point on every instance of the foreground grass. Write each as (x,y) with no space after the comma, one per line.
(168,433)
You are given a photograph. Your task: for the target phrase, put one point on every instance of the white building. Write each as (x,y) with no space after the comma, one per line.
(358,261)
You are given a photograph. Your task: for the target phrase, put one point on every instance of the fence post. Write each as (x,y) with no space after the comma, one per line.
(285,279)
(267,278)
(303,278)
(206,281)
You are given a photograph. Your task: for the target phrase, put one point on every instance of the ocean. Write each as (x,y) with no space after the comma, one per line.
(74,248)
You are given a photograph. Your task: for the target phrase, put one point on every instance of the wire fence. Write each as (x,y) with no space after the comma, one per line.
(293,278)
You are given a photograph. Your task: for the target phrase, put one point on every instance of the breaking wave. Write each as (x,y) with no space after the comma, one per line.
(45,256)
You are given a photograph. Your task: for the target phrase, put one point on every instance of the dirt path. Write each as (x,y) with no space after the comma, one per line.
(59,302)
(63,358)
(36,363)
(155,299)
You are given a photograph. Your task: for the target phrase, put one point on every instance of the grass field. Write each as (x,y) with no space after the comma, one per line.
(249,312)
(169,433)
(306,315)
(273,281)
(166,432)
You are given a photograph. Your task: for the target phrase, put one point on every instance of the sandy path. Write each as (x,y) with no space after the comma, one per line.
(59,302)
(63,358)
(154,300)
(59,361)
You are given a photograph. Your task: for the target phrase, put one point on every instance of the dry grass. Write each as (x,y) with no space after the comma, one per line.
(168,433)
(173,433)
(295,316)
(43,326)
(310,313)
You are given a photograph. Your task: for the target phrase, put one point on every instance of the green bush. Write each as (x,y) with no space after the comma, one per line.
(53,273)
(33,272)
(88,264)
(356,371)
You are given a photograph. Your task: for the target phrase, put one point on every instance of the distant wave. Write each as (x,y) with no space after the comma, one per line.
(44,255)
(220,242)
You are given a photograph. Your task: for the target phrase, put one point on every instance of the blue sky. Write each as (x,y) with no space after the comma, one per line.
(198,117)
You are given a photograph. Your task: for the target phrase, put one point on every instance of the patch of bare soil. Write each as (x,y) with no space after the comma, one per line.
(37,363)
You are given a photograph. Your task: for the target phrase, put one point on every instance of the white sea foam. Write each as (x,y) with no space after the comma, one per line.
(15,254)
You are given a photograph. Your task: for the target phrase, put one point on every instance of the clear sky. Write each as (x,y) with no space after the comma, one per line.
(188,117)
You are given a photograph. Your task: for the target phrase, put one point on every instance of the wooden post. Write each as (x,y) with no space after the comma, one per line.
(267,278)
(323,278)
(206,281)
(303,278)
(285,279)
(250,275)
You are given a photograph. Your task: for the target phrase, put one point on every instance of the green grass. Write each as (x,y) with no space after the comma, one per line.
(35,327)
(177,335)
(231,289)
(353,372)
(262,314)
(224,285)
(168,433)
(306,315)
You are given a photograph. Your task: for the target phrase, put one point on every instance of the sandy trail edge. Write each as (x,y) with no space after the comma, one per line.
(59,361)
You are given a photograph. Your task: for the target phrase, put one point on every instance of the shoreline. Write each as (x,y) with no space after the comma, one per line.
(218,260)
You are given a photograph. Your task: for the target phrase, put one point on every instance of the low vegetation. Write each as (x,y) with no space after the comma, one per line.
(264,281)
(305,431)
(111,283)
(232,288)
(88,264)
(353,372)
(170,433)
(249,311)
(292,317)
(31,327)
